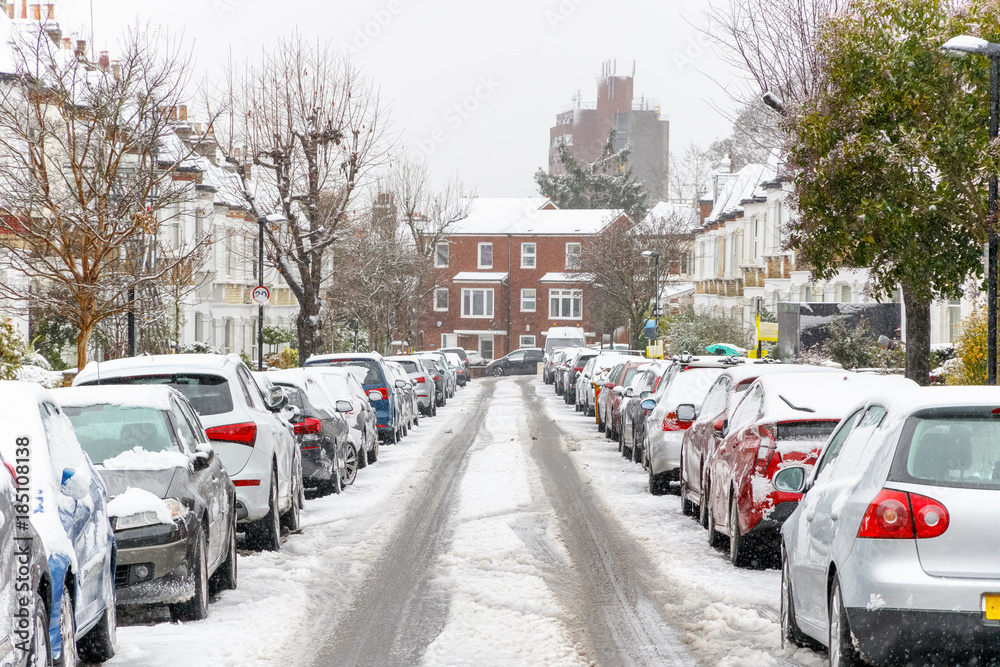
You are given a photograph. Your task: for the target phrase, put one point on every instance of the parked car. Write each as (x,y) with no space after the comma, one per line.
(345,384)
(430,364)
(255,446)
(631,415)
(329,455)
(571,370)
(557,338)
(519,362)
(592,382)
(451,379)
(781,420)
(891,555)
(686,381)
(423,384)
(559,362)
(475,359)
(173,506)
(700,440)
(610,397)
(465,357)
(68,508)
(458,365)
(408,406)
(24,579)
(387,412)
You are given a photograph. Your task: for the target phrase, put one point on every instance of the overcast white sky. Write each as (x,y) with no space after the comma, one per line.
(525,59)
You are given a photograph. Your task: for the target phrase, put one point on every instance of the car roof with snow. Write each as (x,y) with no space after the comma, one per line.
(319,358)
(907,400)
(749,372)
(821,395)
(147,396)
(158,362)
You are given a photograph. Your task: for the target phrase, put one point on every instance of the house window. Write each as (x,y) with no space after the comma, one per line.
(527,301)
(845,293)
(573,252)
(954,320)
(565,304)
(477,303)
(449,340)
(485,255)
(441,255)
(527,341)
(441,299)
(528,251)
(486,347)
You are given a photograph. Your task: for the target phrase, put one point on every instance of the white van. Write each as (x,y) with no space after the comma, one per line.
(556,338)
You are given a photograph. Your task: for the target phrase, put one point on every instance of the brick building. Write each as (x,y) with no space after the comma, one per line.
(585,127)
(508,272)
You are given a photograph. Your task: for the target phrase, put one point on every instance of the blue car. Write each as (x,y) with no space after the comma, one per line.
(382,392)
(68,509)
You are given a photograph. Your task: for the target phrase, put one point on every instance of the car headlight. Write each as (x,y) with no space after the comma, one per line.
(175,508)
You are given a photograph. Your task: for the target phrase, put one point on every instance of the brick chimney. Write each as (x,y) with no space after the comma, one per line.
(50,12)
(10,10)
(67,43)
(36,12)
(104,61)
(24,9)
(81,49)
(116,69)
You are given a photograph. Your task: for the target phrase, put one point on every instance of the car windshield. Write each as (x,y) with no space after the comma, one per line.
(105,431)
(208,394)
(409,366)
(373,374)
(557,343)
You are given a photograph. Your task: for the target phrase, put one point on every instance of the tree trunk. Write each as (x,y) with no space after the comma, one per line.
(918,338)
(307,325)
(82,340)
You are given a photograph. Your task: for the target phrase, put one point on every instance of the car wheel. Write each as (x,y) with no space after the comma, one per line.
(637,450)
(350,465)
(738,548)
(659,485)
(498,372)
(416,418)
(790,633)
(703,509)
(292,519)
(362,456)
(196,608)
(99,644)
(39,653)
(625,449)
(264,534)
(841,648)
(404,429)
(225,578)
(687,507)
(621,443)
(714,537)
(372,454)
(392,438)
(70,657)
(434,409)
(601,427)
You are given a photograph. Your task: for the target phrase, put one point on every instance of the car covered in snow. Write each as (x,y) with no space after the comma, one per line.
(329,455)
(423,383)
(255,446)
(25,580)
(345,384)
(68,508)
(378,383)
(891,555)
(173,506)
(408,403)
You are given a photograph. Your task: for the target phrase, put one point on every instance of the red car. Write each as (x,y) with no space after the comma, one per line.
(701,438)
(780,419)
(621,377)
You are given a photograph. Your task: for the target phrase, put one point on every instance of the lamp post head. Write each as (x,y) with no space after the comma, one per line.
(272,218)
(651,254)
(963,44)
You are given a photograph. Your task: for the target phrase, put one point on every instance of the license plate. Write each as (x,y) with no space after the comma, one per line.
(991,605)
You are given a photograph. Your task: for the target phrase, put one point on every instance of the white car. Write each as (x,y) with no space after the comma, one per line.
(342,384)
(257,450)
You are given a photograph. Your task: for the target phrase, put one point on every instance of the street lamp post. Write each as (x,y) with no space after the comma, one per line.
(656,307)
(962,45)
(274,218)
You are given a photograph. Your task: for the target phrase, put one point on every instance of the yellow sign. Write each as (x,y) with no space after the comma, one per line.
(767,331)
(654,351)
(991,604)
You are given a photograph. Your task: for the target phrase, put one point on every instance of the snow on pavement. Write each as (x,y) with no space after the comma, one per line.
(494,569)
(730,614)
(279,594)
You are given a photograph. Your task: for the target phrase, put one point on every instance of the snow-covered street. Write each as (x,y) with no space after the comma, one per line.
(505,531)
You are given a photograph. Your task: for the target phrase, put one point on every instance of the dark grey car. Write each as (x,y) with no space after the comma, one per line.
(173,505)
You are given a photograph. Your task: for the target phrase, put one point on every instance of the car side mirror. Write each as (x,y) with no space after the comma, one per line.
(629,392)
(276,399)
(344,406)
(644,395)
(790,480)
(400,384)
(686,412)
(71,484)
(292,413)
(374,395)
(648,404)
(203,457)
(721,428)
(414,382)
(617,389)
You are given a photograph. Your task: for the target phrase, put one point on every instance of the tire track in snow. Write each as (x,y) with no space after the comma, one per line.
(623,623)
(396,614)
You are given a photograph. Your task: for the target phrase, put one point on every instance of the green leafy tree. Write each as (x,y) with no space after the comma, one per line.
(606,183)
(13,350)
(890,154)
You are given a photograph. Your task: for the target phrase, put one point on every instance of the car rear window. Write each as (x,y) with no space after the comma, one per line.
(557,343)
(373,375)
(809,430)
(105,431)
(410,366)
(208,394)
(959,450)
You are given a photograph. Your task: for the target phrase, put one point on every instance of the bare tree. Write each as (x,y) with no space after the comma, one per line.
(87,177)
(624,280)
(308,134)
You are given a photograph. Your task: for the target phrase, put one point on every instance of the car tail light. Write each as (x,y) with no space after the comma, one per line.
(671,423)
(245,434)
(308,425)
(577,369)
(900,515)
(420,380)
(13,474)
(436,378)
(765,446)
(246,482)
(381,390)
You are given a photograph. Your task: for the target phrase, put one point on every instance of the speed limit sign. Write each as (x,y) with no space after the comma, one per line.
(261,294)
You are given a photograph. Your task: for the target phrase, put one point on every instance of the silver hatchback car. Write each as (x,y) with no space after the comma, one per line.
(893,552)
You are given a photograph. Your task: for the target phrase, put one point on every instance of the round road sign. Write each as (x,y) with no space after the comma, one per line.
(261,294)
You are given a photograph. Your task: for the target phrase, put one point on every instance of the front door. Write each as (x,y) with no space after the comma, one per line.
(486,347)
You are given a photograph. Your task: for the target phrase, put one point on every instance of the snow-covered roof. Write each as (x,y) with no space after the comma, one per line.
(672,290)
(479,277)
(528,217)
(555,277)
(674,211)
(740,188)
